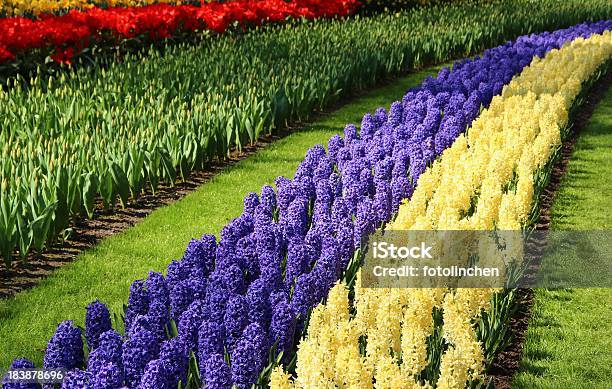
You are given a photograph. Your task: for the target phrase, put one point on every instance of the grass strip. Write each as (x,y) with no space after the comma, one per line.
(568,341)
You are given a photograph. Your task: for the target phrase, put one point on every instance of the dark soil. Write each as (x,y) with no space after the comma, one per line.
(507,363)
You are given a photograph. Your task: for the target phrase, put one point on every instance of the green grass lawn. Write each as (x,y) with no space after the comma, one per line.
(569,340)
(105,272)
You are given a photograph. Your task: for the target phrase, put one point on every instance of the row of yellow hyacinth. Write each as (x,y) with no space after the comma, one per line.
(510,142)
(37,7)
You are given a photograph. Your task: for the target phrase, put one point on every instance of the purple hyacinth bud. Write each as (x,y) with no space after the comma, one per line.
(157,288)
(296,222)
(210,339)
(236,317)
(382,202)
(250,202)
(138,302)
(368,126)
(97,321)
(334,145)
(216,298)
(282,328)
(401,189)
(380,117)
(248,357)
(303,297)
(157,375)
(141,347)
(233,279)
(65,349)
(175,355)
(76,379)
(350,134)
(395,114)
(190,321)
(364,222)
(383,169)
(158,318)
(286,192)
(216,373)
(109,351)
(268,197)
(298,262)
(201,254)
(257,301)
(108,376)
(20,363)
(323,170)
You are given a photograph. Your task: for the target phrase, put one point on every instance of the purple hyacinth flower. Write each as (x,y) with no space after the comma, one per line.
(105,364)
(141,347)
(257,301)
(350,134)
(216,299)
(334,145)
(157,375)
(190,321)
(76,379)
(248,357)
(268,197)
(282,328)
(65,349)
(157,288)
(97,321)
(250,202)
(303,297)
(138,302)
(108,376)
(183,293)
(216,373)
(395,114)
(175,355)
(236,317)
(368,126)
(200,254)
(20,363)
(210,339)
(380,117)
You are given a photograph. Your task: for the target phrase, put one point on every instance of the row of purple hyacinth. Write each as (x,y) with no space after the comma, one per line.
(241,302)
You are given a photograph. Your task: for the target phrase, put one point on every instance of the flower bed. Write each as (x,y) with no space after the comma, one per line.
(66,35)
(512,140)
(247,298)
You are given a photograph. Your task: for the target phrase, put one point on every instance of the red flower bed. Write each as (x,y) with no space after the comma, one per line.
(65,35)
